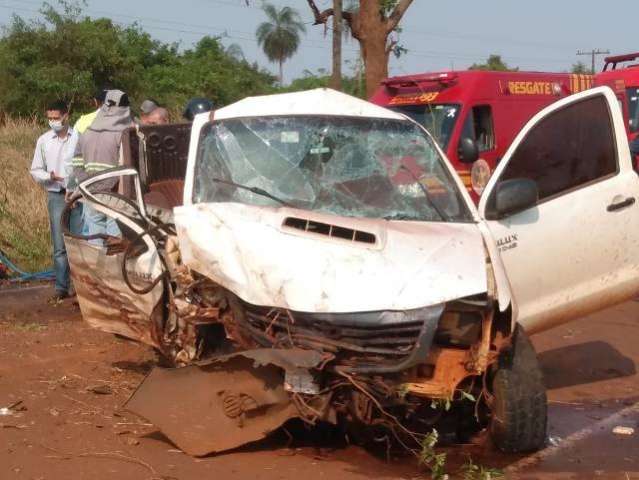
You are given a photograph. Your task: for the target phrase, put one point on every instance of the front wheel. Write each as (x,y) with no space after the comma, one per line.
(519,408)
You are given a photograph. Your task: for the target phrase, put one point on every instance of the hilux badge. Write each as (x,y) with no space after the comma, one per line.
(507,243)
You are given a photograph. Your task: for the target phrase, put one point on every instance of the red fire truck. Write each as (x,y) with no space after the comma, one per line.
(474,115)
(623,77)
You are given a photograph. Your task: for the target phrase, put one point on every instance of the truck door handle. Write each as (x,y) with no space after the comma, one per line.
(619,205)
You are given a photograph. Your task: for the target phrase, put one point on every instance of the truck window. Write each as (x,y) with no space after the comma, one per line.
(479,127)
(569,149)
(633,109)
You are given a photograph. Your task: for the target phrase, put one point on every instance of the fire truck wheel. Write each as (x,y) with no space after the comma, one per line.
(519,409)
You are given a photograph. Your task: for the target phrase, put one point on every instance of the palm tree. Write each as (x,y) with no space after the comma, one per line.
(235,52)
(279,37)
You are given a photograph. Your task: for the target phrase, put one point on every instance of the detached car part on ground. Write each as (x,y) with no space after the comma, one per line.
(328,264)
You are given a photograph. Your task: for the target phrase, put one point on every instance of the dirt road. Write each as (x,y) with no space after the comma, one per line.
(71,380)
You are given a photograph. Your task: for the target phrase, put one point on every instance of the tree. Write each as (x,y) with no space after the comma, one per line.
(279,37)
(207,70)
(235,51)
(371,24)
(580,68)
(494,63)
(66,55)
(70,56)
(336,78)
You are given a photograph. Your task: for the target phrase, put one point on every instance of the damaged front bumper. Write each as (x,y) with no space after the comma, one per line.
(316,367)
(224,403)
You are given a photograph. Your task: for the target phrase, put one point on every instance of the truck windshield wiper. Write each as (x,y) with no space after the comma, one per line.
(402,216)
(441,214)
(255,190)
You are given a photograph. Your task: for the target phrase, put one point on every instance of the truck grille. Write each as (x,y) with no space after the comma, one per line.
(351,342)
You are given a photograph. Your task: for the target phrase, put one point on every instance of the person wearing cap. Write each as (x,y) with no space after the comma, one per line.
(86,120)
(98,149)
(159,116)
(147,107)
(195,106)
(79,128)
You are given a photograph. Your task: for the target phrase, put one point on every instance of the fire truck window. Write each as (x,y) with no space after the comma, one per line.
(633,109)
(438,119)
(570,148)
(479,127)
(484,131)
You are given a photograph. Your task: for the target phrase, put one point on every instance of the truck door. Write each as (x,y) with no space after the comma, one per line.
(562,209)
(98,265)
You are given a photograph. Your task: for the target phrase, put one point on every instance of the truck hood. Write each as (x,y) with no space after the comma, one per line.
(312,262)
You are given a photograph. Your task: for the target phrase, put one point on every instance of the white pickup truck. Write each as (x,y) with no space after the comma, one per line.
(324,261)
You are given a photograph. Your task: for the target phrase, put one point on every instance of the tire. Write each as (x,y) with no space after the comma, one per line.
(520,407)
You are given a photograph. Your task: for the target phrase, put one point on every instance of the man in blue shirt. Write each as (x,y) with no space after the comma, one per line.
(54,149)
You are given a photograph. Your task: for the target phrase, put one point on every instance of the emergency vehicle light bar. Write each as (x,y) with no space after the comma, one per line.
(619,59)
(444,79)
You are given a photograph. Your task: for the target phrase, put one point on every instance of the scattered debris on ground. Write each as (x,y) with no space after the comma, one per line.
(623,430)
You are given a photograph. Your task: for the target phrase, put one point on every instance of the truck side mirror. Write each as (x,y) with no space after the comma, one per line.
(515,195)
(467,150)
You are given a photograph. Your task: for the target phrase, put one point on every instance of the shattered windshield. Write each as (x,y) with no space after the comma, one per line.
(438,119)
(347,166)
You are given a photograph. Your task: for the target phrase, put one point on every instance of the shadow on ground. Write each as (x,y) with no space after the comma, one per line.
(584,363)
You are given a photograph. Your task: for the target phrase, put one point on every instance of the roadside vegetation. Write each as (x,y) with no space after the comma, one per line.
(24,225)
(70,56)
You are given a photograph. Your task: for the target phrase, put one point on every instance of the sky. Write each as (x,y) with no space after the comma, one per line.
(543,35)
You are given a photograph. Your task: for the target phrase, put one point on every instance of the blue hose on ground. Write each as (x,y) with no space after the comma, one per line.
(22,276)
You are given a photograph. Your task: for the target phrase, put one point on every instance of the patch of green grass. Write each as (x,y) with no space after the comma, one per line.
(429,458)
(470,471)
(436,463)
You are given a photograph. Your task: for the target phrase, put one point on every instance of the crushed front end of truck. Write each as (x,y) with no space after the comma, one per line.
(394,371)
(250,368)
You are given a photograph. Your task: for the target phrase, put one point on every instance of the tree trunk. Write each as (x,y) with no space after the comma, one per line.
(336,78)
(281,72)
(373,38)
(376,62)
(371,30)
(359,74)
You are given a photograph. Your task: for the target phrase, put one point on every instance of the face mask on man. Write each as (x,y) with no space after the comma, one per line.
(56,125)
